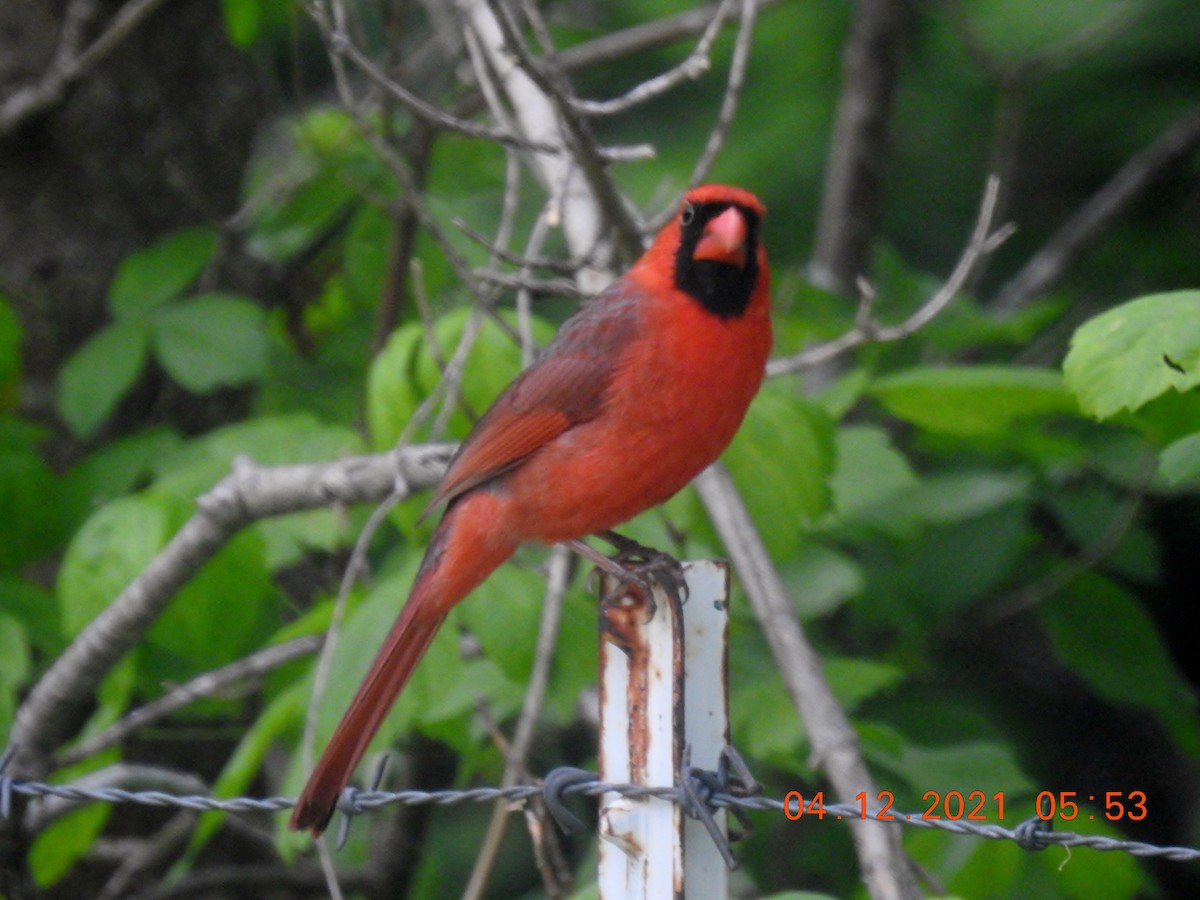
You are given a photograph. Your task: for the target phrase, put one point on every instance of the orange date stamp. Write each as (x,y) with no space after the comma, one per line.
(975,806)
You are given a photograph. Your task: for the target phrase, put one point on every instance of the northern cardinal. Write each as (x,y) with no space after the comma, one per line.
(638,392)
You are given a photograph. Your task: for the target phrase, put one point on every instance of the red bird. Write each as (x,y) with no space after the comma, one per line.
(638,392)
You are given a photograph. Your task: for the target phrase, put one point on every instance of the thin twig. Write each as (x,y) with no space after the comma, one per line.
(983,241)
(339,44)
(557,287)
(1049,584)
(354,567)
(210,684)
(154,853)
(69,66)
(733,93)
(575,133)
(558,574)
(525,260)
(852,193)
(1146,168)
(885,870)
(729,103)
(410,194)
(694,66)
(524,301)
(648,35)
(247,494)
(297,879)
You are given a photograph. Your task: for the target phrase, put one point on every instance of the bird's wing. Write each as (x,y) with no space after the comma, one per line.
(565,388)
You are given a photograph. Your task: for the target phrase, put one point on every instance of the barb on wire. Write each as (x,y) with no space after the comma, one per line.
(698,788)
(554,785)
(1026,835)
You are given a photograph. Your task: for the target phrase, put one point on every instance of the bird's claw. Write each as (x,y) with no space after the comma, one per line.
(643,568)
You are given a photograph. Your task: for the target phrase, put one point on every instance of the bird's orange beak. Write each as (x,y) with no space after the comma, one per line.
(724,239)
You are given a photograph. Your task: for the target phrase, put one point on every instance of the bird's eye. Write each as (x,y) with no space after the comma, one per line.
(687,215)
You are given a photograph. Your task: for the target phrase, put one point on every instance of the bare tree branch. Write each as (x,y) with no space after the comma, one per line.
(247,494)
(551,83)
(695,65)
(232,881)
(637,38)
(340,44)
(70,64)
(983,241)
(886,871)
(858,150)
(1169,151)
(558,575)
(210,684)
(733,92)
(152,855)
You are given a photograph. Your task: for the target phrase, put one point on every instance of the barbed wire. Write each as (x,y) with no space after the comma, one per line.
(1033,835)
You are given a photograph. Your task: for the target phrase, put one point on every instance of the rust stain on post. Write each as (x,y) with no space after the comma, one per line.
(623,625)
(650,732)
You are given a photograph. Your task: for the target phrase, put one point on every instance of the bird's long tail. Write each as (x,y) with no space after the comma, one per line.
(466,547)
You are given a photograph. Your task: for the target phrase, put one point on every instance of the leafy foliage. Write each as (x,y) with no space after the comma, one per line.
(204,342)
(986,550)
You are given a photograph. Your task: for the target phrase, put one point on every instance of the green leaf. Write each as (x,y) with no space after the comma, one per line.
(503,616)
(953,565)
(65,841)
(968,766)
(856,680)
(1109,640)
(782,459)
(574,666)
(494,361)
(99,374)
(193,468)
(869,469)
(946,499)
(10,352)
(222,613)
(211,341)
(14,666)
(114,545)
(392,393)
(1126,357)
(1016,32)
(1180,461)
(32,524)
(34,608)
(761,712)
(405,372)
(360,638)
(147,279)
(275,441)
(282,718)
(116,467)
(966,323)
(972,400)
(820,579)
(368,251)
(112,701)
(979,868)
(243,18)
(765,722)
(305,184)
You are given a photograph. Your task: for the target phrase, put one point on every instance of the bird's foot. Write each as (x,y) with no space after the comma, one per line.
(647,564)
(635,566)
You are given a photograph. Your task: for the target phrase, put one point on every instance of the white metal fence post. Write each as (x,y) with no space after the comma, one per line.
(663,688)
